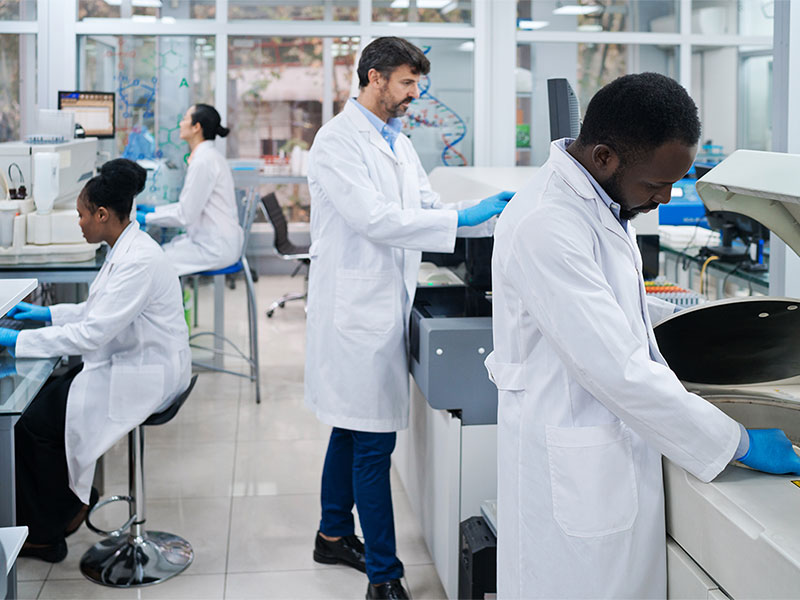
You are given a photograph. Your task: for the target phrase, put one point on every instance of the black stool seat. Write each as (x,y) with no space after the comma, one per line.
(168,413)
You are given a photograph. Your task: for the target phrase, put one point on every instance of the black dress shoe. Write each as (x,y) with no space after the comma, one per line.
(53,553)
(347,550)
(391,590)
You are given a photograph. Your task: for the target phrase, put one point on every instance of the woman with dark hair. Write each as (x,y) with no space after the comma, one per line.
(134,342)
(206,208)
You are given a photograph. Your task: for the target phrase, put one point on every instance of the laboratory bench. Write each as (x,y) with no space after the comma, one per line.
(683,267)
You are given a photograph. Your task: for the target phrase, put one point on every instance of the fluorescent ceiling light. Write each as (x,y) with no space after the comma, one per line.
(434,4)
(531,25)
(590,27)
(578,10)
(450,7)
(137,3)
(467,46)
(144,18)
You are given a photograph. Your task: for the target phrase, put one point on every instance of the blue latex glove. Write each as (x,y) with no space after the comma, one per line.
(7,370)
(8,337)
(141,218)
(484,210)
(771,451)
(145,208)
(33,312)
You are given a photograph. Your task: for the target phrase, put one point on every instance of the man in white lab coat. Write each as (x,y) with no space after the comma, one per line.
(587,406)
(372,214)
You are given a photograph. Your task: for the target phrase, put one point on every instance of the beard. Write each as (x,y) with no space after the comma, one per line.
(613,188)
(395,109)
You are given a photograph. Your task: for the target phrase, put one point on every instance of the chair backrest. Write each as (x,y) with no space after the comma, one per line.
(168,413)
(247,203)
(278,220)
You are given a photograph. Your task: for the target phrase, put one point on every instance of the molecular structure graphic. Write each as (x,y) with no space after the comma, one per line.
(429,111)
(128,91)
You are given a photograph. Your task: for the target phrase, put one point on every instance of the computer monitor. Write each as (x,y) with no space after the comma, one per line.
(565,113)
(94,111)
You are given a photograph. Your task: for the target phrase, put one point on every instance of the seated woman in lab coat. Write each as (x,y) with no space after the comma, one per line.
(206,208)
(133,339)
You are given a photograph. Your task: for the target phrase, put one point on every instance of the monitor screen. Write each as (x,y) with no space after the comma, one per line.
(94,111)
(565,114)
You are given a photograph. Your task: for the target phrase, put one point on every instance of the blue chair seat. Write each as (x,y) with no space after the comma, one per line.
(234,268)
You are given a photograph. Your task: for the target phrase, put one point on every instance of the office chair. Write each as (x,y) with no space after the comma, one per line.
(247,212)
(286,249)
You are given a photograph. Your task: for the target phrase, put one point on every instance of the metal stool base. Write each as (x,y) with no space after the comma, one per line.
(129,561)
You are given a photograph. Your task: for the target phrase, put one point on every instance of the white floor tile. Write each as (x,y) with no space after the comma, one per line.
(340,582)
(279,467)
(32,569)
(29,590)
(183,470)
(422,583)
(183,586)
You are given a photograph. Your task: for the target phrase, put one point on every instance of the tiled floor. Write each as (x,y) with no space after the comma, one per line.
(240,481)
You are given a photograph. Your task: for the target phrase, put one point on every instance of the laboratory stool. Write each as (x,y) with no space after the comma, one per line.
(247,208)
(130,556)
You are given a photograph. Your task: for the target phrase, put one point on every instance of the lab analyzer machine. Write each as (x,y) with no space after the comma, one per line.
(739,535)
(40,224)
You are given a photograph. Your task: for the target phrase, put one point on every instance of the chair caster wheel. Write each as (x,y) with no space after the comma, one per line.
(282,305)
(270,313)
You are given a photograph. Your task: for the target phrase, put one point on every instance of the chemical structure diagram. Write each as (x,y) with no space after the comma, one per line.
(128,91)
(166,142)
(429,111)
(169,60)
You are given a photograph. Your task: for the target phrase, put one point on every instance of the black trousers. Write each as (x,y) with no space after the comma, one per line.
(44,501)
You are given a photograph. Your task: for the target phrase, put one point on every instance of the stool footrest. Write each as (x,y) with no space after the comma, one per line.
(132,561)
(122,528)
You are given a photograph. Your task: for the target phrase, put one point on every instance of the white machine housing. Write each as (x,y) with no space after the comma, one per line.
(740,534)
(55,236)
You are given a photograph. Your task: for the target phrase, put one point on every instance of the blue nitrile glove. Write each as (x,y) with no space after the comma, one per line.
(483,210)
(8,337)
(771,451)
(141,218)
(145,208)
(32,312)
(7,370)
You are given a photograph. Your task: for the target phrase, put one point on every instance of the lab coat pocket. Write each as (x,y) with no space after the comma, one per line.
(592,479)
(135,391)
(365,302)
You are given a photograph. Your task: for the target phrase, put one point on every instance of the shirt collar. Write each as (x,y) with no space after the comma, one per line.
(389,130)
(611,204)
(112,249)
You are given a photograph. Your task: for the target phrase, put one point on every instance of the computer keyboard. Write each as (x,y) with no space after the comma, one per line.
(11,323)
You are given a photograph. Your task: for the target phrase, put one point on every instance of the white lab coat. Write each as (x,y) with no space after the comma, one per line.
(586,405)
(133,338)
(207,210)
(370,222)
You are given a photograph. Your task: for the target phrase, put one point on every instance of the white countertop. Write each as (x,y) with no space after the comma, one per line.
(14,290)
(11,540)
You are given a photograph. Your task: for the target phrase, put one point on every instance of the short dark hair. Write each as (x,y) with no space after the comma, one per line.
(115,187)
(210,121)
(635,114)
(385,54)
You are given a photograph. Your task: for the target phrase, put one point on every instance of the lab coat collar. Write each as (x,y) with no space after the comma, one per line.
(363,125)
(124,242)
(200,148)
(576,179)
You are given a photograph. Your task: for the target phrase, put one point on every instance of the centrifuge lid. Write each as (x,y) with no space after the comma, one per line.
(738,341)
(764,186)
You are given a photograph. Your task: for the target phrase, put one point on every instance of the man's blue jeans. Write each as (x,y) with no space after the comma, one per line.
(357,472)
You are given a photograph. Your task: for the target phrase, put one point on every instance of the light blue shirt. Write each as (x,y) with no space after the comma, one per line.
(389,130)
(611,204)
(116,244)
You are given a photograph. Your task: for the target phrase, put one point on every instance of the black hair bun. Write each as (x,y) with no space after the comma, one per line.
(222,131)
(124,175)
